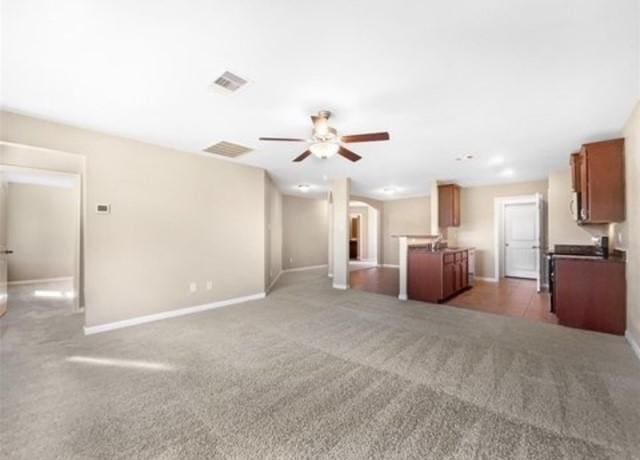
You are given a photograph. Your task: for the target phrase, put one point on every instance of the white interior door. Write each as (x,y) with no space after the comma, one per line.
(3,244)
(521,238)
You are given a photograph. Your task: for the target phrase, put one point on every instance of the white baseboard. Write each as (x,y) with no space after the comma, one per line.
(391,265)
(632,341)
(363,262)
(169,314)
(486,278)
(403,297)
(275,280)
(301,269)
(340,286)
(41,280)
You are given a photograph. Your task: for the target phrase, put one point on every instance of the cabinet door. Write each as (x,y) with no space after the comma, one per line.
(575,172)
(456,206)
(445,206)
(605,182)
(449,205)
(465,273)
(449,279)
(583,211)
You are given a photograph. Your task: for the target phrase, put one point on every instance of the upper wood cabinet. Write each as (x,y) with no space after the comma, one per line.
(449,205)
(597,173)
(575,172)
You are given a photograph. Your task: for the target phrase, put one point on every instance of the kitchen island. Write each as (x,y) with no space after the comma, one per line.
(408,243)
(436,275)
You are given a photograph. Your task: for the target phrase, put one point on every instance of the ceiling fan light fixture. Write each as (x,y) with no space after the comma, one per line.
(324,149)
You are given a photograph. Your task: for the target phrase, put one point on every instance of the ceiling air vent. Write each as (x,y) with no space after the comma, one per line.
(229,81)
(228,149)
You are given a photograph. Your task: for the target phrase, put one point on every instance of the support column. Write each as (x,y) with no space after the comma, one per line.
(341,191)
(403,247)
(435,209)
(330,233)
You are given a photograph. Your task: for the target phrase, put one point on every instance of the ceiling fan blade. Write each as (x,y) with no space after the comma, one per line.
(369,137)
(348,154)
(302,156)
(283,139)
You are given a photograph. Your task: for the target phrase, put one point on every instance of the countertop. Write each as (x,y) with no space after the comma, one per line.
(421,237)
(611,258)
(443,250)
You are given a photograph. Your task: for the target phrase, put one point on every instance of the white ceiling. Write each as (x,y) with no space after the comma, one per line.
(521,82)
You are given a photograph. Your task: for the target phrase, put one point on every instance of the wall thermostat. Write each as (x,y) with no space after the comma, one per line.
(103,209)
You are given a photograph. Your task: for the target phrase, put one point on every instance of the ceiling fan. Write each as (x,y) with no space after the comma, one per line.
(325,142)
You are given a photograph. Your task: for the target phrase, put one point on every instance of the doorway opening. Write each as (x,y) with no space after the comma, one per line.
(355,237)
(365,272)
(364,234)
(40,240)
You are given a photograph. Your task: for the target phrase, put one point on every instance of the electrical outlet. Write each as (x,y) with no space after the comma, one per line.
(193,287)
(209,285)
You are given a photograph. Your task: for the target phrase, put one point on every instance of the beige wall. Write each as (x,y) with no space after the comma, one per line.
(3,235)
(176,218)
(41,231)
(563,229)
(304,232)
(273,231)
(477,219)
(631,228)
(410,215)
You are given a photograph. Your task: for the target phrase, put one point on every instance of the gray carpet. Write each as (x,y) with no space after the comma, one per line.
(312,372)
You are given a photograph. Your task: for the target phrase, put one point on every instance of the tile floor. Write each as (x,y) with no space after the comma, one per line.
(379,280)
(510,296)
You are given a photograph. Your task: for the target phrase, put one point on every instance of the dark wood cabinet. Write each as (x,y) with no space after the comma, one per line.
(449,205)
(597,173)
(590,293)
(575,172)
(434,276)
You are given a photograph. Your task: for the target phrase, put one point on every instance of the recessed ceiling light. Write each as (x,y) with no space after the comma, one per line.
(469,157)
(304,188)
(508,172)
(496,161)
(388,190)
